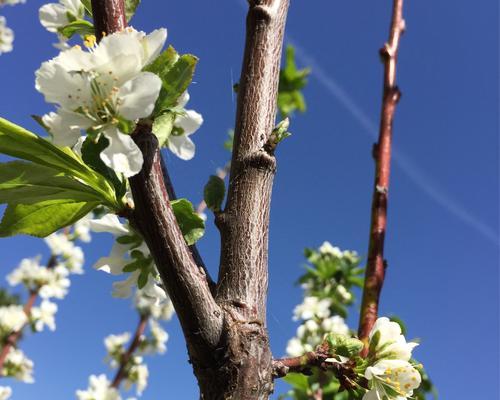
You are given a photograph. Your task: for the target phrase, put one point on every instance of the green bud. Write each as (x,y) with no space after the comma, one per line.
(342,345)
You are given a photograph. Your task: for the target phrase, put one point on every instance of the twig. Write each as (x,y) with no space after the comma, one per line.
(12,339)
(301,364)
(375,270)
(136,341)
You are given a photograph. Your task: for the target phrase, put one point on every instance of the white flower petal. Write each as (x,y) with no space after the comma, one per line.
(138,96)
(181,146)
(122,155)
(189,122)
(153,43)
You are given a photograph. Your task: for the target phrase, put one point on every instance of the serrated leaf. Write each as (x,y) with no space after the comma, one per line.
(78,27)
(175,81)
(298,381)
(16,141)
(163,63)
(43,218)
(163,125)
(191,224)
(130,8)
(214,193)
(27,183)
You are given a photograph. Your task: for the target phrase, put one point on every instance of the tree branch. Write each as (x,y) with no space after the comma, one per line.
(375,270)
(136,341)
(12,339)
(186,282)
(244,223)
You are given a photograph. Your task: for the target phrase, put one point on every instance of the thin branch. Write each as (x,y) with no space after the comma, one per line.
(136,341)
(375,270)
(13,338)
(109,16)
(300,364)
(186,282)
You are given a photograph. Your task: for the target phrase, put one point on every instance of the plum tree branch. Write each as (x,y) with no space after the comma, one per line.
(186,282)
(13,338)
(375,270)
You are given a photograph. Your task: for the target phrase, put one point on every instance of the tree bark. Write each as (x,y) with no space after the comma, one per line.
(375,269)
(226,333)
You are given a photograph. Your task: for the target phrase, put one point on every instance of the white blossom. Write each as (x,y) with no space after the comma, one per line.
(81,229)
(61,245)
(11,2)
(159,338)
(57,15)
(99,389)
(116,343)
(18,366)
(335,324)
(96,89)
(185,125)
(392,380)
(327,249)
(5,392)
(391,343)
(138,375)
(12,319)
(294,347)
(312,307)
(44,315)
(146,304)
(344,294)
(6,36)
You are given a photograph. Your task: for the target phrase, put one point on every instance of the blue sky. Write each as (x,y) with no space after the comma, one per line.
(442,240)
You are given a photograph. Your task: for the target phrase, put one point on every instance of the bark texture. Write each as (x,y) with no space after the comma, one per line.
(224,325)
(375,269)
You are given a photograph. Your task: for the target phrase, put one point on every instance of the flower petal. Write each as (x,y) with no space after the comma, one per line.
(189,122)
(122,155)
(181,146)
(138,96)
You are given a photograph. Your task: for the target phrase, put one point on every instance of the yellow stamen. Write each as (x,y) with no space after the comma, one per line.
(89,41)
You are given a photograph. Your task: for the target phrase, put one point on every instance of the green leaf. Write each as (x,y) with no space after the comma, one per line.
(214,193)
(191,224)
(24,182)
(80,27)
(298,381)
(164,62)
(292,81)
(342,345)
(143,278)
(163,125)
(91,151)
(43,218)
(175,81)
(16,141)
(130,8)
(87,5)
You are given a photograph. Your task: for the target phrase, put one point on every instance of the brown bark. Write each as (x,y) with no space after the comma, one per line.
(134,345)
(109,17)
(375,270)
(226,335)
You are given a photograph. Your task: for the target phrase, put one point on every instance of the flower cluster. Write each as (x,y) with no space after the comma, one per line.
(127,353)
(102,91)
(54,16)
(46,281)
(391,375)
(327,285)
(6,34)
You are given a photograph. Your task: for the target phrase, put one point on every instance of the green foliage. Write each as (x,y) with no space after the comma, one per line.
(191,224)
(291,83)
(131,8)
(163,125)
(80,27)
(214,193)
(42,218)
(52,188)
(176,72)
(343,346)
(7,299)
(329,275)
(228,143)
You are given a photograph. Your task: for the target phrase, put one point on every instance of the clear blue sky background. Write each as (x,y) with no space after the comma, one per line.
(442,241)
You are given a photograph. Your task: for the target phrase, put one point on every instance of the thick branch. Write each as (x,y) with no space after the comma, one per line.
(109,16)
(244,224)
(375,270)
(186,283)
(136,341)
